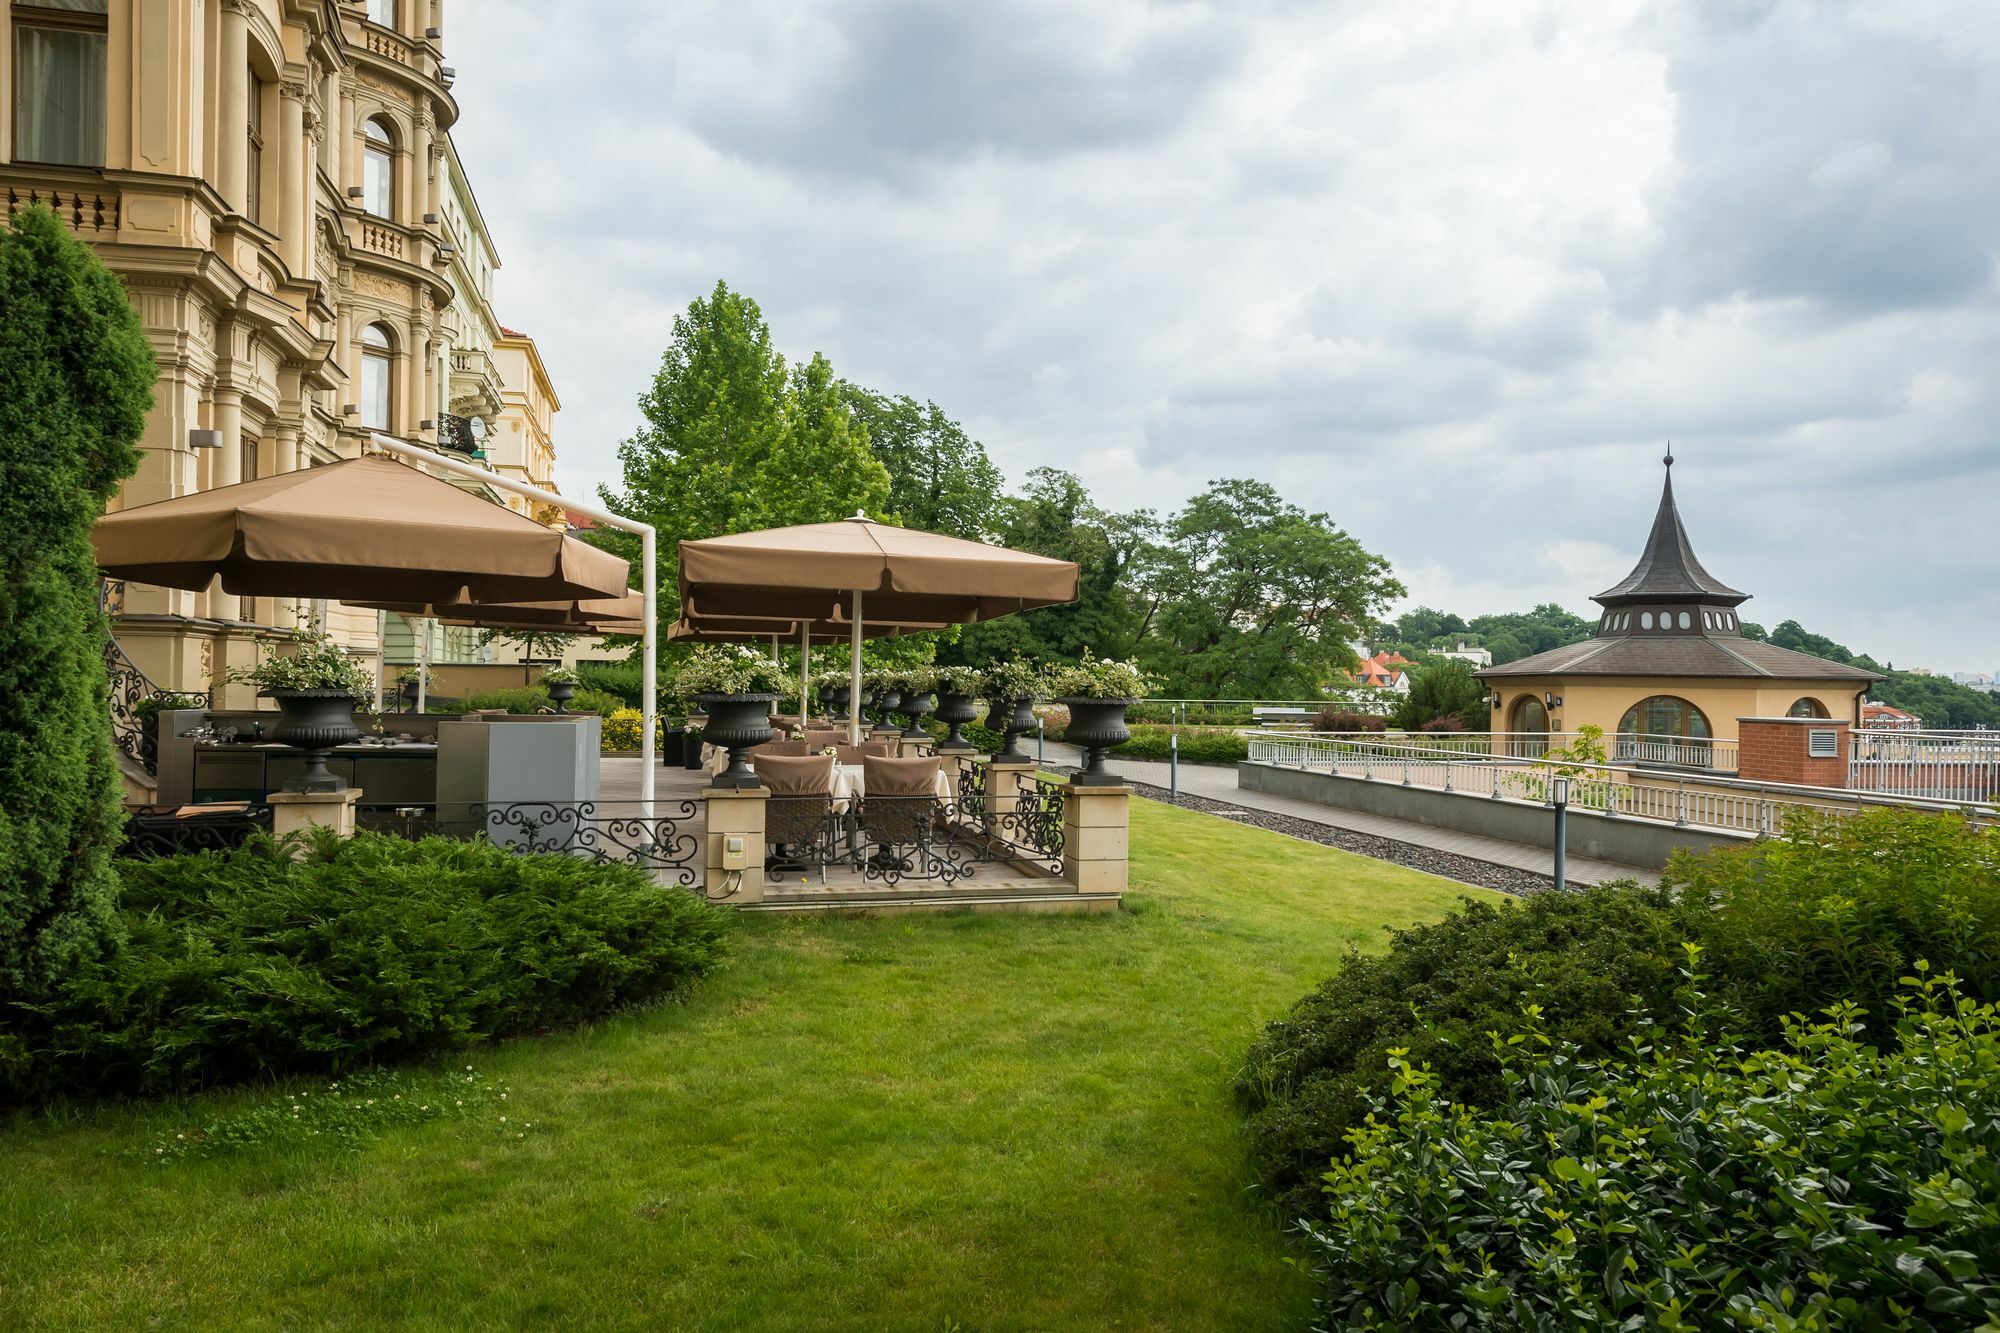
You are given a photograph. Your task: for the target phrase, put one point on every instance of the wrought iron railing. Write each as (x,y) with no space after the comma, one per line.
(896,839)
(170,830)
(135,698)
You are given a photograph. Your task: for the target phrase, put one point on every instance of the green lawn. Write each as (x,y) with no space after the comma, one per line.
(917,1122)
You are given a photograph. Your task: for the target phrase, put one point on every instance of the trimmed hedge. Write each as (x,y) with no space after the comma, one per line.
(251,963)
(615,678)
(534,698)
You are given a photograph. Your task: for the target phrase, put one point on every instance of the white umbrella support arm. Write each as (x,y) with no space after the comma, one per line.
(649,577)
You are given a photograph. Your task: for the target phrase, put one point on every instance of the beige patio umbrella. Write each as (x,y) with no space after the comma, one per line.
(370,527)
(856,567)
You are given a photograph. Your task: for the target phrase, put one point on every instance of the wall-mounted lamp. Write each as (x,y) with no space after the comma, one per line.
(430,219)
(446,251)
(433,33)
(1553,700)
(427,424)
(355,192)
(350,409)
(446,74)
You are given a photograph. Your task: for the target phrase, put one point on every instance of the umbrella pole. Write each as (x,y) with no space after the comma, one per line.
(805,670)
(381,650)
(424,670)
(649,672)
(854,674)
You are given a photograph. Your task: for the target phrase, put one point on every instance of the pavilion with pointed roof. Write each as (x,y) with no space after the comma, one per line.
(1668,670)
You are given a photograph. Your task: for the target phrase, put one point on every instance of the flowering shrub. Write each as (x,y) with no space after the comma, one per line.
(410,675)
(622,728)
(959,680)
(1346,719)
(316,662)
(1701,1183)
(1099,678)
(1017,679)
(915,680)
(561,675)
(728,669)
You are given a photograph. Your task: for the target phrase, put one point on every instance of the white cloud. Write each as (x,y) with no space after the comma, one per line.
(1451,272)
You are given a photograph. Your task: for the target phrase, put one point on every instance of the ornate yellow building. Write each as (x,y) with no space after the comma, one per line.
(1668,672)
(274,180)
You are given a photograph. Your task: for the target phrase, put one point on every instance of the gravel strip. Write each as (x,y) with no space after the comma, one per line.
(1449,865)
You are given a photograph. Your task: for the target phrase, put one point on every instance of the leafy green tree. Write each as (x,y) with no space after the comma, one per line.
(1054,516)
(734,443)
(76,383)
(1514,635)
(1249,596)
(940,479)
(1446,689)
(1424,627)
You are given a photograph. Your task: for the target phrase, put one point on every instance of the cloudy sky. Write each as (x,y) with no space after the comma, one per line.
(1451,272)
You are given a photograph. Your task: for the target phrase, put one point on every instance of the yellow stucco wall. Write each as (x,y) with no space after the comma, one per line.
(1602,700)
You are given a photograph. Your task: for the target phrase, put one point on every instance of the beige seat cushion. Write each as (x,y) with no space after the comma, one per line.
(777,747)
(882,776)
(795,775)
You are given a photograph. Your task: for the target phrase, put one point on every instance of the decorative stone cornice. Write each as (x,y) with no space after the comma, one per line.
(295,92)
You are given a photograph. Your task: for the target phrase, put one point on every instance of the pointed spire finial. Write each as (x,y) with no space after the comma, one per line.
(1669,460)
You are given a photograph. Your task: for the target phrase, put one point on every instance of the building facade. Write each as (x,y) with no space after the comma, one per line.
(274,181)
(1668,671)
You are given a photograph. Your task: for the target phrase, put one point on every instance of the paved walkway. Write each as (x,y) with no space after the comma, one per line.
(1218,783)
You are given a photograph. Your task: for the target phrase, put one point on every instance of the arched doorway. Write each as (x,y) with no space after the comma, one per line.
(1528,725)
(1665,729)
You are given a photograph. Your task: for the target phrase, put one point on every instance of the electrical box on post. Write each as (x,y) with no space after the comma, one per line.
(735,852)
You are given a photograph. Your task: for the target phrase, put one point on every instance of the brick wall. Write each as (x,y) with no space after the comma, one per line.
(1775,749)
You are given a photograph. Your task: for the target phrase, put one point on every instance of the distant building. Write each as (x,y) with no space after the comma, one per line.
(1385,671)
(1479,657)
(1669,662)
(1883,717)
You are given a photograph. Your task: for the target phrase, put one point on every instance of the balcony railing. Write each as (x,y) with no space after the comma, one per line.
(87,205)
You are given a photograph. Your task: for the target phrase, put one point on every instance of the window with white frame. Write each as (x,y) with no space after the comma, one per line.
(378,169)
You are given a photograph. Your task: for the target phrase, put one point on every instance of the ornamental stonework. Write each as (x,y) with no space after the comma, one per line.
(378,284)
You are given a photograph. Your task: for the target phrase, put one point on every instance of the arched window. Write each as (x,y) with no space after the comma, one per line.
(1665,715)
(378,169)
(1807,707)
(1528,718)
(377,366)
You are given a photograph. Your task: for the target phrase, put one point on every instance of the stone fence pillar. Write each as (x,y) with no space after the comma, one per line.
(1812,751)
(1097,837)
(736,813)
(297,811)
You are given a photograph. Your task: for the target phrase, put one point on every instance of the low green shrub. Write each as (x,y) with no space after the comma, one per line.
(1700,1183)
(1837,911)
(615,678)
(535,698)
(1199,745)
(1589,959)
(250,963)
(1157,712)
(1841,907)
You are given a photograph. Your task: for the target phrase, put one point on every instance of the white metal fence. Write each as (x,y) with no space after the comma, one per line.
(1941,765)
(1454,763)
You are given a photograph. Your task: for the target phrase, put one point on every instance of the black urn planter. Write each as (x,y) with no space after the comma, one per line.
(560,693)
(1015,719)
(837,701)
(1097,725)
(315,721)
(736,722)
(915,708)
(886,704)
(824,694)
(954,710)
(409,696)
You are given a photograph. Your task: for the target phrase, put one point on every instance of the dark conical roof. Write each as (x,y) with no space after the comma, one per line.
(1668,570)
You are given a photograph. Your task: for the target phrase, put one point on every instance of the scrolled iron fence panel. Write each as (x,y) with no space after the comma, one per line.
(163,830)
(1035,823)
(652,835)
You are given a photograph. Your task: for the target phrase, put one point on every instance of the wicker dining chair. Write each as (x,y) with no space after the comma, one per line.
(799,827)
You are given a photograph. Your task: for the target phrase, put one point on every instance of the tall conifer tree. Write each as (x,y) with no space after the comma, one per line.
(76,382)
